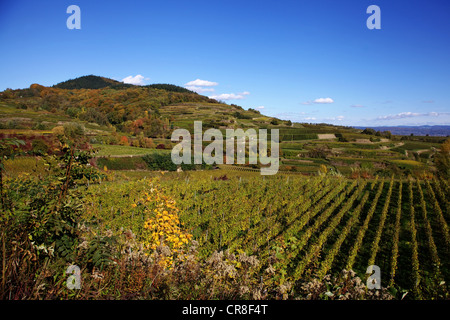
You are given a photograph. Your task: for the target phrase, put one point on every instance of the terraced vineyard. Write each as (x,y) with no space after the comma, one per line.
(310,227)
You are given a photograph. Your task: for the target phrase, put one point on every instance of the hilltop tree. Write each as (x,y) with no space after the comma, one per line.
(369,131)
(275,122)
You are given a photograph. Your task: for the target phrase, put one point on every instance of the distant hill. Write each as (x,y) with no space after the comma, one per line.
(153,110)
(438,131)
(91,82)
(96,82)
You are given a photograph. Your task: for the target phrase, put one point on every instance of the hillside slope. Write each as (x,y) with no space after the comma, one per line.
(154,110)
(127,115)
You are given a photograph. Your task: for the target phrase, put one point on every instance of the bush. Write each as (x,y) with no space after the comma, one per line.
(157,161)
(73,112)
(124,141)
(40,126)
(146,143)
(275,122)
(39,147)
(240,115)
(369,131)
(341,138)
(39,227)
(73,129)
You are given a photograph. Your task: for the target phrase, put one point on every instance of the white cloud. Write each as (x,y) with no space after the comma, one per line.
(310,118)
(201,86)
(323,100)
(201,83)
(227,96)
(136,80)
(230,96)
(319,101)
(260,107)
(199,89)
(403,115)
(400,115)
(338,118)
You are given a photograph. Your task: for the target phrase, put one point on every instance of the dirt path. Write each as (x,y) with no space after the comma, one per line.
(395,146)
(326,136)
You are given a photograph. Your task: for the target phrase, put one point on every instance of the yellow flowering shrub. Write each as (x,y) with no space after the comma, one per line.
(163,227)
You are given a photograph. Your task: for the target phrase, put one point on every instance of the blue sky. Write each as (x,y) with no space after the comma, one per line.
(307,61)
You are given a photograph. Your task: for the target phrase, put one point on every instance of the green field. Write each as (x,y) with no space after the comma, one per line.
(105,150)
(415,145)
(308,227)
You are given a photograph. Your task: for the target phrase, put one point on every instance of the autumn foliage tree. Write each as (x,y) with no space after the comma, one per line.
(124,141)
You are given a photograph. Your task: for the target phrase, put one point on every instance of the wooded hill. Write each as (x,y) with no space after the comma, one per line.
(154,110)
